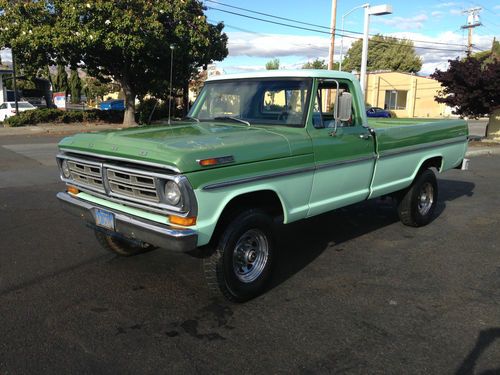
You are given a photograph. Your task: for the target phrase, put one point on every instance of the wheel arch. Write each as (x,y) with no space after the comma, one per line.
(267,199)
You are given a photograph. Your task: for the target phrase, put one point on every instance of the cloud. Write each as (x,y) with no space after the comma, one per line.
(403,23)
(253,48)
(437,14)
(456,12)
(277,45)
(446,5)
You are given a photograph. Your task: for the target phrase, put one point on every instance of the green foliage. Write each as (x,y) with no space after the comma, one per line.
(273,64)
(384,53)
(126,40)
(56,116)
(95,88)
(61,80)
(491,55)
(470,86)
(316,64)
(75,86)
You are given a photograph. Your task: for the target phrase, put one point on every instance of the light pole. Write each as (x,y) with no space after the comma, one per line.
(378,10)
(342,38)
(172,47)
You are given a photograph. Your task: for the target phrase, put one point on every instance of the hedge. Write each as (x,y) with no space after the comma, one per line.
(47,115)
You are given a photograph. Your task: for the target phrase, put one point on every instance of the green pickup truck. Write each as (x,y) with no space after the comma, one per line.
(256,151)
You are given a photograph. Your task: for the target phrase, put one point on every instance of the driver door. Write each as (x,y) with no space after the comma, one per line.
(344,154)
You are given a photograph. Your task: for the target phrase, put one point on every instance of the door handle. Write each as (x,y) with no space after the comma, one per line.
(365,136)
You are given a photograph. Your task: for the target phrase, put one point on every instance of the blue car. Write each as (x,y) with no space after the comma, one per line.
(377,112)
(114,104)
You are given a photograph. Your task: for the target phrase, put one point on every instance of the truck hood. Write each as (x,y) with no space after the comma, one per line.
(180,146)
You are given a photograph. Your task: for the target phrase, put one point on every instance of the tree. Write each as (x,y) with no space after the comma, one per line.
(273,64)
(61,80)
(384,53)
(316,64)
(75,86)
(128,41)
(94,88)
(470,85)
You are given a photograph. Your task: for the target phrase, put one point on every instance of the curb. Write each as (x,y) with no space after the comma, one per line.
(60,129)
(483,151)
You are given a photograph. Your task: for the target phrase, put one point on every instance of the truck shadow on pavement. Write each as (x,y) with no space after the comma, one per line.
(300,243)
(484,340)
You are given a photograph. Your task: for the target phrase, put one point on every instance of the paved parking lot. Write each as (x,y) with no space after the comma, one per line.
(355,291)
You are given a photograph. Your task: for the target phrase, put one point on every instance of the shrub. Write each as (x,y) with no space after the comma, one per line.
(49,115)
(145,108)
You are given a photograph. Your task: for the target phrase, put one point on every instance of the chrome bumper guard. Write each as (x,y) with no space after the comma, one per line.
(156,234)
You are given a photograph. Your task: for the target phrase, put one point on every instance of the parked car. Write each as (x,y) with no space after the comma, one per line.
(255,151)
(113,104)
(377,112)
(8,109)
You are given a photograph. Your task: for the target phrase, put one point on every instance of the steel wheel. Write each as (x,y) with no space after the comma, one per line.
(250,255)
(425,198)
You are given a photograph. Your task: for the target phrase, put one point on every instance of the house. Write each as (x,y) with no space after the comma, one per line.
(4,71)
(405,94)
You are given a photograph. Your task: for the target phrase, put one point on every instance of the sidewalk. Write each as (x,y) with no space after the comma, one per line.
(58,129)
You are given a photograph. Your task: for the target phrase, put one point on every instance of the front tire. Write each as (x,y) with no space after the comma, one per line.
(417,206)
(120,246)
(240,266)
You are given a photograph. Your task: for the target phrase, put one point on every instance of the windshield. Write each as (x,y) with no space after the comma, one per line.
(254,101)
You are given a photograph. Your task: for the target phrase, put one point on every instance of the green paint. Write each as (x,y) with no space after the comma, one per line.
(352,172)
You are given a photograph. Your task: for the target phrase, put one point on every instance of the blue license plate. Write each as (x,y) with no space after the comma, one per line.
(105,219)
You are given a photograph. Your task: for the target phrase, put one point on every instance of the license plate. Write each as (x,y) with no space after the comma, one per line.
(105,219)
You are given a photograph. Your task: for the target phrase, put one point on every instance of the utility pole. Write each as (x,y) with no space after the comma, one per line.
(331,51)
(14,83)
(332,36)
(472,22)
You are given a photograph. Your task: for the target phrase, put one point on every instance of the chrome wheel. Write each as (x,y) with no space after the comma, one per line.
(425,198)
(250,255)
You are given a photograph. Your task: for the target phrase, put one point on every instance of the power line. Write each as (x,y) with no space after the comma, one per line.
(338,34)
(308,24)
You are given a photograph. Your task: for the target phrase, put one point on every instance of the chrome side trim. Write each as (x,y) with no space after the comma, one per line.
(408,149)
(162,235)
(141,162)
(345,162)
(221,185)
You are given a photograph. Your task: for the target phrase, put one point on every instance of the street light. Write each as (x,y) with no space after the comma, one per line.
(378,10)
(343,31)
(172,47)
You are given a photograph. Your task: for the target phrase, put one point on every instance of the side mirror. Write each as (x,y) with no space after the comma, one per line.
(344,112)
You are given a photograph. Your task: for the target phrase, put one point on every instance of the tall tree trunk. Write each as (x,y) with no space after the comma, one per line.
(129,115)
(185,99)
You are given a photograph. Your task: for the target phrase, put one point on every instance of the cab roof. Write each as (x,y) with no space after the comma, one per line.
(281,73)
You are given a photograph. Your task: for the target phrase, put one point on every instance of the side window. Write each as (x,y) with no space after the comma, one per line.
(324,105)
(3,106)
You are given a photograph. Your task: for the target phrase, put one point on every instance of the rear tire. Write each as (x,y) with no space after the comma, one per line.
(240,266)
(120,246)
(416,208)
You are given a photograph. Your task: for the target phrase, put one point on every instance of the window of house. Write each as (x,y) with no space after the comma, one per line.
(395,99)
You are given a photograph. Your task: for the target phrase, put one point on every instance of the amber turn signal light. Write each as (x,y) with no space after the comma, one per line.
(73,190)
(185,221)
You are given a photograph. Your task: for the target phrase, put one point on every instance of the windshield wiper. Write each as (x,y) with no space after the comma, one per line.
(191,118)
(232,118)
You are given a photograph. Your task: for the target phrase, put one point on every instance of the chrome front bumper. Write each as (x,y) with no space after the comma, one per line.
(160,235)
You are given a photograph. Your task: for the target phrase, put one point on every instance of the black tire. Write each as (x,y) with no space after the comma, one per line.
(417,205)
(239,274)
(121,246)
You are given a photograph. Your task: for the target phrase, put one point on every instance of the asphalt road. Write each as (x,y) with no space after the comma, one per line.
(355,290)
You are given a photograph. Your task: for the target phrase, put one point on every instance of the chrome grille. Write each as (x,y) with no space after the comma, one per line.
(133,185)
(86,174)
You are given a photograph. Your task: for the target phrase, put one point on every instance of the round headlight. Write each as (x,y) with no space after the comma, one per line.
(172,193)
(65,169)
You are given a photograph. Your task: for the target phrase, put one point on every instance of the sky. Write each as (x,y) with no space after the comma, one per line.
(436,25)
